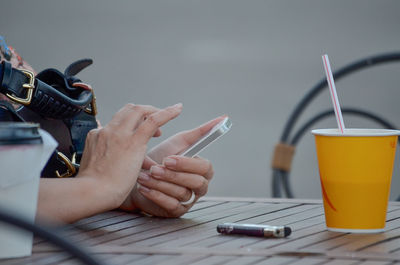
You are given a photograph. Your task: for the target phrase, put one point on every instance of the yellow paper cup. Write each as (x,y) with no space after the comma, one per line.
(355,170)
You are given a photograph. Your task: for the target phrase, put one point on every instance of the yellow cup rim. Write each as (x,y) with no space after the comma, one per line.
(356,132)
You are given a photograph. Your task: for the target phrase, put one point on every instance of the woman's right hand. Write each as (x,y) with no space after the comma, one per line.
(114,154)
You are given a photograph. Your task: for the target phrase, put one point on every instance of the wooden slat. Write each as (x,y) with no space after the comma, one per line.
(183,259)
(319,235)
(276,261)
(300,229)
(375,263)
(213,260)
(348,242)
(102,216)
(91,223)
(388,243)
(264,200)
(354,242)
(40,259)
(169,225)
(152,259)
(342,262)
(397,251)
(275,200)
(122,259)
(125,238)
(232,242)
(309,261)
(244,261)
(204,204)
(204,230)
(113,249)
(110,224)
(26,260)
(158,225)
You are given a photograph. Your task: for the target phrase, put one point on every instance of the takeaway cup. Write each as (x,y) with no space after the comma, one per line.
(24,150)
(355,171)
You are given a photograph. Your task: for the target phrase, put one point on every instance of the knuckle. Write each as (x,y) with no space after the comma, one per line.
(152,120)
(91,136)
(204,191)
(175,210)
(183,195)
(203,184)
(92,133)
(173,207)
(169,174)
(103,133)
(155,195)
(130,106)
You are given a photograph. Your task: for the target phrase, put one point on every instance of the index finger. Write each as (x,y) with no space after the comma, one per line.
(130,116)
(191,136)
(153,122)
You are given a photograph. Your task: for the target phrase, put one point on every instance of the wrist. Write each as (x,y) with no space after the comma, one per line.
(101,196)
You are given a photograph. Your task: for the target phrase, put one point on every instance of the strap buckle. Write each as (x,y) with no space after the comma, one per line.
(71,170)
(29,86)
(92,110)
(93,106)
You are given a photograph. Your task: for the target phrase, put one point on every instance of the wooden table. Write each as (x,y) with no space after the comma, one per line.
(122,238)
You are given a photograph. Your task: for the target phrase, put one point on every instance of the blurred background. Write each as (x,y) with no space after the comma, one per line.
(252,60)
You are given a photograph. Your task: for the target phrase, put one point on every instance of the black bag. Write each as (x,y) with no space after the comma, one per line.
(60,102)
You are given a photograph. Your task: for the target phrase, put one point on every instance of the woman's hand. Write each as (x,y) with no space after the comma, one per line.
(110,165)
(167,179)
(113,155)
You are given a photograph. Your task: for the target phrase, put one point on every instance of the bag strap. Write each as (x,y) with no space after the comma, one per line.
(8,113)
(48,94)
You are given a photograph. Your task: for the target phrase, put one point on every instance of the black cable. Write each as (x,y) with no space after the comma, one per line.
(286,184)
(276,189)
(50,236)
(324,114)
(314,91)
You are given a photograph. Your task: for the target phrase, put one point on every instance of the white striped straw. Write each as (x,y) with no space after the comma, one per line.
(332,89)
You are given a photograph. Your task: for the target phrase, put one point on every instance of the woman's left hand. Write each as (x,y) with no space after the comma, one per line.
(167,180)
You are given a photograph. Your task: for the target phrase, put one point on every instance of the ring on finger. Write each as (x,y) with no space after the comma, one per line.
(191,200)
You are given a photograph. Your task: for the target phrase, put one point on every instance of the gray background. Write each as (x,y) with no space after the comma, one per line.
(252,60)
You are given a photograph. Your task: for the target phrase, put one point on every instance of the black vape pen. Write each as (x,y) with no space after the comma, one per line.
(254,230)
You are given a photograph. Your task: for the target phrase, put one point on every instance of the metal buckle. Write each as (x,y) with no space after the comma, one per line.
(93,106)
(71,170)
(29,86)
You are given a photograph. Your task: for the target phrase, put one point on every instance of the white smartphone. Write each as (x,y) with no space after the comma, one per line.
(217,131)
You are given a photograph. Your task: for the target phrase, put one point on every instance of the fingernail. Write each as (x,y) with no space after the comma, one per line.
(143,177)
(144,189)
(179,105)
(157,171)
(169,162)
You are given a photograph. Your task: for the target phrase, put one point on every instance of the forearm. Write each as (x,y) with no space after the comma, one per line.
(70,199)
